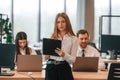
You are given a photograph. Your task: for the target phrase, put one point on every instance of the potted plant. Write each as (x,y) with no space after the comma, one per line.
(6,31)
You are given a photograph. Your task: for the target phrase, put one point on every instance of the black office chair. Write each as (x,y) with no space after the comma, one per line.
(38,52)
(93,45)
(114,72)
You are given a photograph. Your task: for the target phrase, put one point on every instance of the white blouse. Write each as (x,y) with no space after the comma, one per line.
(69,46)
(33,52)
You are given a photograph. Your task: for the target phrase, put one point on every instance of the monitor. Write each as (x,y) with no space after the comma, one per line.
(7,55)
(110,42)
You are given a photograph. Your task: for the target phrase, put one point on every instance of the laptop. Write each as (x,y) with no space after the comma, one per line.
(49,46)
(86,64)
(29,63)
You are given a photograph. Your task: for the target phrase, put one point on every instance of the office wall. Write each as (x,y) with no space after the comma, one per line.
(89,17)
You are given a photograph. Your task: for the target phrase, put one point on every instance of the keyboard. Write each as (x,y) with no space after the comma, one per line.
(6,74)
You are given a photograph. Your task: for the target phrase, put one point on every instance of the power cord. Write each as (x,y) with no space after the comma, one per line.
(29,74)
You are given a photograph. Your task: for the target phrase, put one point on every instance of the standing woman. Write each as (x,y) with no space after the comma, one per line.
(58,67)
(22,45)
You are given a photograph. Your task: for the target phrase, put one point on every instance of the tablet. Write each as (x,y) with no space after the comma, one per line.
(49,46)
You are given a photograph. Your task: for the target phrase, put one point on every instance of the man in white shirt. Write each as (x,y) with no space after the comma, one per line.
(89,51)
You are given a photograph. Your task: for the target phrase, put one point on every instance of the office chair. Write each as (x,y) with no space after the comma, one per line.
(114,72)
(93,45)
(38,52)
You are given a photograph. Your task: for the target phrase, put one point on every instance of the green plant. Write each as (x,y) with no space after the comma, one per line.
(7,30)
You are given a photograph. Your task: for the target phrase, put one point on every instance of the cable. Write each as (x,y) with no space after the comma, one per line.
(28,74)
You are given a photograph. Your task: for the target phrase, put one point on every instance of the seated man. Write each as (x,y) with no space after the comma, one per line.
(86,50)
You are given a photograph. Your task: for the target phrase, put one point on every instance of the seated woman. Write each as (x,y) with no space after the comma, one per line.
(22,45)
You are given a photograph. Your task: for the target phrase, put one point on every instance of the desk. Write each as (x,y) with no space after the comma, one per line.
(100,75)
(111,61)
(25,76)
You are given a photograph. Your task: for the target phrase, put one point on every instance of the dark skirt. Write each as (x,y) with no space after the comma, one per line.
(58,72)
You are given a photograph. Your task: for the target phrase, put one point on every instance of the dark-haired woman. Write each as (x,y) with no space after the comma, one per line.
(22,45)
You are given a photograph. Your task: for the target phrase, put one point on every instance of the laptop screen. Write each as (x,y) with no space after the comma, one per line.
(7,55)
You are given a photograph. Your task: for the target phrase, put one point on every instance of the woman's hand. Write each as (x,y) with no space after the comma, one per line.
(59,52)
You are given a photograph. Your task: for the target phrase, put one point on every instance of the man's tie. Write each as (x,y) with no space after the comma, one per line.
(83,54)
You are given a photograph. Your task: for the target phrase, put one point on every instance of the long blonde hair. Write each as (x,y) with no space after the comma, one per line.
(69,30)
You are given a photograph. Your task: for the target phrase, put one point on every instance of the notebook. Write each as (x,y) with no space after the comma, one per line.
(49,46)
(86,64)
(29,63)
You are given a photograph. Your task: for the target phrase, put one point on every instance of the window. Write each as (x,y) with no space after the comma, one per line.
(115,20)
(49,12)
(5,7)
(100,9)
(26,18)
(110,25)
(36,17)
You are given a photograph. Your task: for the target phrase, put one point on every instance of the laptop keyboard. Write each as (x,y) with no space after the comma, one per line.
(6,74)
